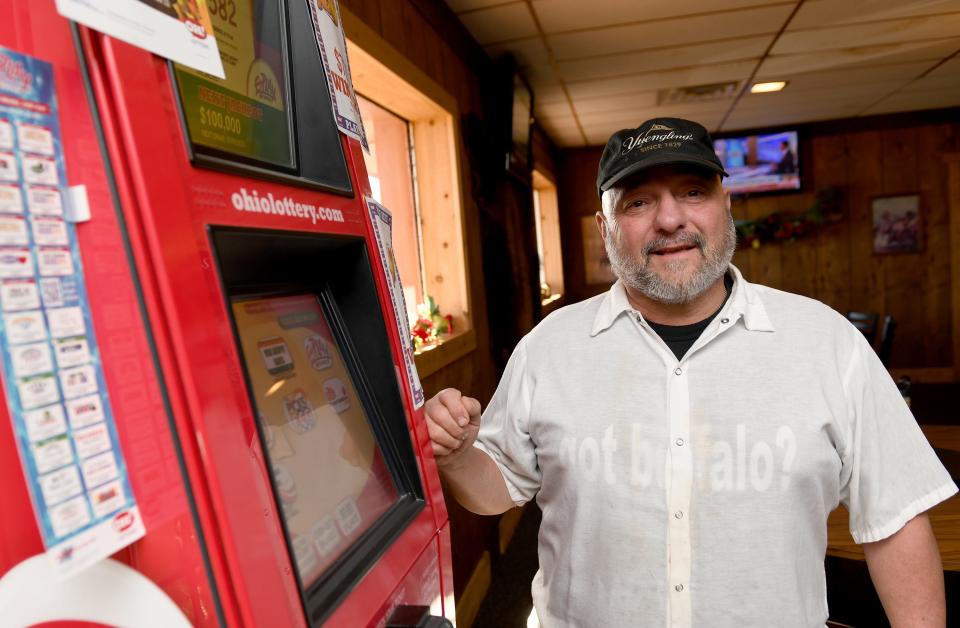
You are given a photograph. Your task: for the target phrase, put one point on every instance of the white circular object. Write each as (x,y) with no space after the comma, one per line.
(107,592)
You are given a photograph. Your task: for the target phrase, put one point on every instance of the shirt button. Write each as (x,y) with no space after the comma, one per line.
(678,588)
(679,442)
(724,320)
(678,514)
(678,370)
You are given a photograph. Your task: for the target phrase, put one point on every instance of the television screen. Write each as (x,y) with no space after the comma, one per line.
(760,163)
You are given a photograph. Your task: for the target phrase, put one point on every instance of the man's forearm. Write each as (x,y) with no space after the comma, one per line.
(476,482)
(908,575)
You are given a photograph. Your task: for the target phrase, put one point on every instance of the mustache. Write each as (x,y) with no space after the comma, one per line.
(684,239)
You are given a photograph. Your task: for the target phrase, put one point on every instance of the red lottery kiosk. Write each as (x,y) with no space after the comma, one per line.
(245,332)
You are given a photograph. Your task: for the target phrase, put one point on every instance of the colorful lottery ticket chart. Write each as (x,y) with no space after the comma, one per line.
(52,376)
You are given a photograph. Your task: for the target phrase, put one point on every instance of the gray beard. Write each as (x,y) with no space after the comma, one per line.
(634,271)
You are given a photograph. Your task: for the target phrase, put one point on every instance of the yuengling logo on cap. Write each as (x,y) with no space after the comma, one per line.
(657,142)
(650,136)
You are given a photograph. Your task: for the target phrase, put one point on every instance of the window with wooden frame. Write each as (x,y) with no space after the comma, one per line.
(392,183)
(414,169)
(547,221)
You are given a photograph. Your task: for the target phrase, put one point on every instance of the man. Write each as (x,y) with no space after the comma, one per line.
(687,433)
(788,162)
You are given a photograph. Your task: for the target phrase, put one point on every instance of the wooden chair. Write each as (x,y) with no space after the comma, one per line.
(866,322)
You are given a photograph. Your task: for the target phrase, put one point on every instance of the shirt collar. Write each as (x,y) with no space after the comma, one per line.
(744,301)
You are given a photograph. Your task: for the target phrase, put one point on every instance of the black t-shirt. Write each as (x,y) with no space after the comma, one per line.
(681,337)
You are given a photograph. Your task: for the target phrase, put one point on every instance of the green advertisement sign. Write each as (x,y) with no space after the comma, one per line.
(225,120)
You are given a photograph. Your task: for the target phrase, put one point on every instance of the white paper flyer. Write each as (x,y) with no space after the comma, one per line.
(383,229)
(179,30)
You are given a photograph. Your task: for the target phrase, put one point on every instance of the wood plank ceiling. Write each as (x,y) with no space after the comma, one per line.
(601,65)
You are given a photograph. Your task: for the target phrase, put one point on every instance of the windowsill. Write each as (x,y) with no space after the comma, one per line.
(454,347)
(555,302)
(550,299)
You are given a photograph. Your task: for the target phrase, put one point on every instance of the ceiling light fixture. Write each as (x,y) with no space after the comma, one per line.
(763,88)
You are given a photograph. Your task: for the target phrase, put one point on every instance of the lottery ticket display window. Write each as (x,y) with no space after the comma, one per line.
(331,423)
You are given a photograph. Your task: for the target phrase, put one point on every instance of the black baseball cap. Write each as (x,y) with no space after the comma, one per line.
(654,143)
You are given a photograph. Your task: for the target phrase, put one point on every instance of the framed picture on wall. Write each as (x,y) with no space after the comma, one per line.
(896,224)
(596,265)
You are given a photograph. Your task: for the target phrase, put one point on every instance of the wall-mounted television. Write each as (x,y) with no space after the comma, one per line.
(767,162)
(510,115)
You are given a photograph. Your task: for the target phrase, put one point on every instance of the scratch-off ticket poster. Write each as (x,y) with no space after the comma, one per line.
(383,230)
(336,66)
(52,375)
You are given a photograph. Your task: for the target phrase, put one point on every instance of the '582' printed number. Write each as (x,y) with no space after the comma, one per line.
(226,10)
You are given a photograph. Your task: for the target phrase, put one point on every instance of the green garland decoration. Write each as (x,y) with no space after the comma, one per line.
(783,227)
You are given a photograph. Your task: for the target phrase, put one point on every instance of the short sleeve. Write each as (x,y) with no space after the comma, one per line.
(889,473)
(503,430)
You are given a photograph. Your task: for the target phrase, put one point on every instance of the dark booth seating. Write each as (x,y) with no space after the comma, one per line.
(866,322)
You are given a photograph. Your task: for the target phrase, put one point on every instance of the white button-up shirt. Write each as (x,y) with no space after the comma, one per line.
(696,492)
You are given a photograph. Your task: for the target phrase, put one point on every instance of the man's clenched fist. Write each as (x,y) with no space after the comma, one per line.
(453,421)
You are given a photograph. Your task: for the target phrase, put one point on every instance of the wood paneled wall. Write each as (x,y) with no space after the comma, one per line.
(576,187)
(427,34)
(865,158)
(544,153)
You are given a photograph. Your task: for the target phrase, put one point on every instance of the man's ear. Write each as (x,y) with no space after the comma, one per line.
(601,225)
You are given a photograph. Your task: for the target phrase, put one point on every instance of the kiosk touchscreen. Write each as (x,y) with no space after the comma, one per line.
(329,471)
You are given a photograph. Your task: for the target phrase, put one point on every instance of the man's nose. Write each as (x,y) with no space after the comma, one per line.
(671,215)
